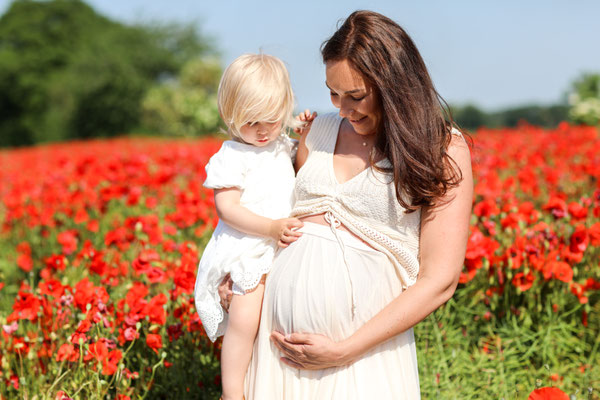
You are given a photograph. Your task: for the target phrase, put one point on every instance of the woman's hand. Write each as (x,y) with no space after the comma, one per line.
(310,351)
(284,231)
(225,291)
(307,118)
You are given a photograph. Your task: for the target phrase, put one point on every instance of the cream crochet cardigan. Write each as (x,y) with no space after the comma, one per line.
(365,204)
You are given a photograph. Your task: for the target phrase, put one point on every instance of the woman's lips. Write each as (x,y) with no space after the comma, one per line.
(358,121)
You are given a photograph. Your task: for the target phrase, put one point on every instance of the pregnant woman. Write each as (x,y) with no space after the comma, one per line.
(384,189)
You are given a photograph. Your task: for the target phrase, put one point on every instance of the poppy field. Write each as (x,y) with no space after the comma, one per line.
(100,242)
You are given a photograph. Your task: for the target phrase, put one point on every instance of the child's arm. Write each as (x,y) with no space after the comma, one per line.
(307,119)
(230,211)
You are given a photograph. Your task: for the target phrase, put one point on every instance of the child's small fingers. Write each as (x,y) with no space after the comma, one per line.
(297,224)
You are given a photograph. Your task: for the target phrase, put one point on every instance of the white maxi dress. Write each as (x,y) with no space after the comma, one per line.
(330,282)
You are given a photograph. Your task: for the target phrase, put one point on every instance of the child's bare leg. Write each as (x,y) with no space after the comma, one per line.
(244,317)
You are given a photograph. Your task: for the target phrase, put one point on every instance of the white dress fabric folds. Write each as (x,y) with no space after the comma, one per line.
(310,289)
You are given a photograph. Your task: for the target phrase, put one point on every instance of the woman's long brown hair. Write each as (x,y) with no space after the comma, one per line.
(413,134)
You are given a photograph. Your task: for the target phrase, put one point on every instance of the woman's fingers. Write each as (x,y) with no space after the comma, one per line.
(291,363)
(292,352)
(225,291)
(297,338)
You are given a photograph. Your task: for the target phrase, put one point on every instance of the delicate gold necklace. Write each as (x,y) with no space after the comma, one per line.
(364,142)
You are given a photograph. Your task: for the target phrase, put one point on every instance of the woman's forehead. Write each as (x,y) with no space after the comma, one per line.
(341,76)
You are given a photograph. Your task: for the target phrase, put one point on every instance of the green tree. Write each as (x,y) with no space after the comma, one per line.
(585,99)
(187,106)
(68,72)
(469,116)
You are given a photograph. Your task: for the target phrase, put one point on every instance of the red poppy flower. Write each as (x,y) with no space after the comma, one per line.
(26,306)
(67,352)
(523,282)
(68,241)
(154,342)
(25,262)
(61,395)
(548,393)
(577,211)
(486,208)
(110,364)
(594,234)
(56,262)
(579,240)
(97,351)
(556,206)
(143,261)
(51,287)
(130,334)
(155,309)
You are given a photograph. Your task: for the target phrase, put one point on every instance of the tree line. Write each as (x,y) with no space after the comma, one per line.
(471,117)
(67,72)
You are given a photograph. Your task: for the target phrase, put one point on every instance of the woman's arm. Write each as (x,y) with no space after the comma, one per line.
(443,238)
(230,211)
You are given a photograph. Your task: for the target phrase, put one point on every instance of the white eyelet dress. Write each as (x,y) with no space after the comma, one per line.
(265,176)
(332,282)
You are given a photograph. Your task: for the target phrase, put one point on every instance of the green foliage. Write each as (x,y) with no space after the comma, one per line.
(585,100)
(188,106)
(471,117)
(67,72)
(465,354)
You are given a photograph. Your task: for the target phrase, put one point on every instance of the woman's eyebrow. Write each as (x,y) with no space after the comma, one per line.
(348,92)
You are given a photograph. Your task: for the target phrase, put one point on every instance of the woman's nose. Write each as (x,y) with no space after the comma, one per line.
(345,110)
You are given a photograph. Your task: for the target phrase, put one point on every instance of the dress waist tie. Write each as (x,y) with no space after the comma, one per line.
(334,223)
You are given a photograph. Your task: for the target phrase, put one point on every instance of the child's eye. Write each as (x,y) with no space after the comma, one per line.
(252,123)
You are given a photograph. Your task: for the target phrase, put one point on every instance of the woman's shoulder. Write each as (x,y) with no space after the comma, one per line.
(324,127)
(326,121)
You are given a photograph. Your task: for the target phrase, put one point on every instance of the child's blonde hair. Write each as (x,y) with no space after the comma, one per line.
(255,88)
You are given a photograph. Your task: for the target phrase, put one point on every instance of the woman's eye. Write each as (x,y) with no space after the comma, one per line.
(358,99)
(332,94)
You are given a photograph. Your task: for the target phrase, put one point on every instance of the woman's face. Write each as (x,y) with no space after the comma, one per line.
(356,99)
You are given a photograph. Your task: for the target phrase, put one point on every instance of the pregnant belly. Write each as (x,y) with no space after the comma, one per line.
(314,283)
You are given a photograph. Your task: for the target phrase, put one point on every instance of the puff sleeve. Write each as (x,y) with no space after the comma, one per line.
(227,167)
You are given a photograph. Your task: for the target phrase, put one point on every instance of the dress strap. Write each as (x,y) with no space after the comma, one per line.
(335,223)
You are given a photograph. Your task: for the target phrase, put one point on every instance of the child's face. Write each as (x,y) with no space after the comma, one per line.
(260,133)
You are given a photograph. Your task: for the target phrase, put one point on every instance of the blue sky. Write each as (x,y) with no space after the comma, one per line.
(491,53)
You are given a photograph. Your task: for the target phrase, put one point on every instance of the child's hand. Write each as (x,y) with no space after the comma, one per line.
(307,118)
(284,231)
